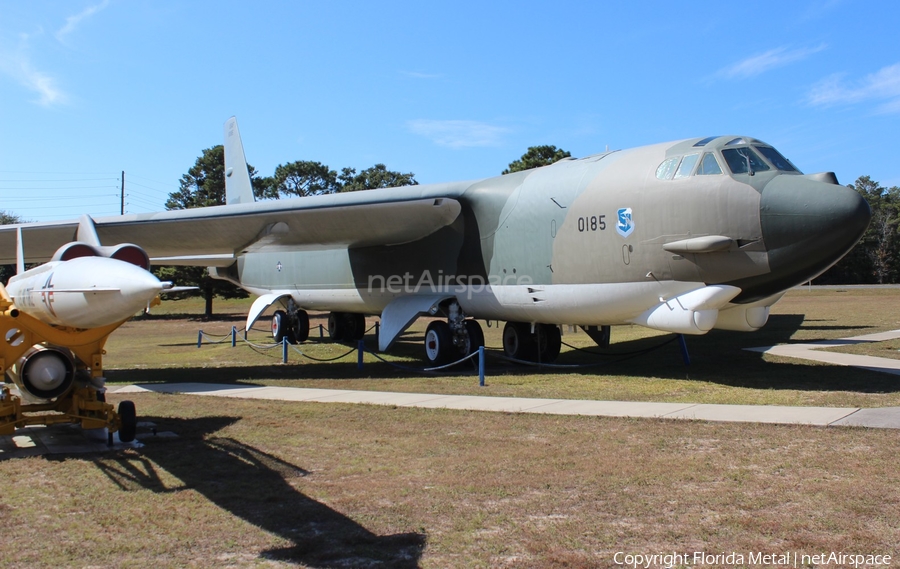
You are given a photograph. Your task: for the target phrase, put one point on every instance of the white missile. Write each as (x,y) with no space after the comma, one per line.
(84,292)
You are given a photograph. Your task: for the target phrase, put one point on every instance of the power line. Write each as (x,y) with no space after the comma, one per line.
(59,180)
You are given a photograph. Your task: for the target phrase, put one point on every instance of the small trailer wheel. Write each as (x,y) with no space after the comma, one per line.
(128,416)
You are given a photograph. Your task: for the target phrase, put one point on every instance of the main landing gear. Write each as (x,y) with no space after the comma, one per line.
(346,326)
(446,342)
(542,344)
(293,324)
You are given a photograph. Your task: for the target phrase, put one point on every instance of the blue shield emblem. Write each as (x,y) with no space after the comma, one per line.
(625,223)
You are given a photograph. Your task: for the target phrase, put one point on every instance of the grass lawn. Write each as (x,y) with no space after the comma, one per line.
(278,484)
(164,348)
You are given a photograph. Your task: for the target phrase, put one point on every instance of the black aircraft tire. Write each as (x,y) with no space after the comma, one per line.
(337,327)
(280,326)
(354,327)
(128,417)
(438,343)
(300,329)
(550,343)
(518,341)
(476,336)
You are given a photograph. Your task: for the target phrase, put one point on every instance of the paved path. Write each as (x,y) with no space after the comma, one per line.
(67,439)
(811,352)
(818,416)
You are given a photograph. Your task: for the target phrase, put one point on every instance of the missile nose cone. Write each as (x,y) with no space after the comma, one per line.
(808,225)
(138,282)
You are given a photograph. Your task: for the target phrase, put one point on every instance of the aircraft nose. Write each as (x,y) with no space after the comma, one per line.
(808,225)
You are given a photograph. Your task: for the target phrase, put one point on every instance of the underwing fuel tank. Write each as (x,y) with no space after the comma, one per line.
(85,292)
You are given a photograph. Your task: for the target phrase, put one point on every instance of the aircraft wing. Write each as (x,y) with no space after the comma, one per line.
(213,236)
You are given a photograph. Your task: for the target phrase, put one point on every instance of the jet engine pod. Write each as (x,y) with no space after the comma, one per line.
(129,253)
(44,372)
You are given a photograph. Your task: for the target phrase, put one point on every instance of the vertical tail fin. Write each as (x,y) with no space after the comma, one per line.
(237,178)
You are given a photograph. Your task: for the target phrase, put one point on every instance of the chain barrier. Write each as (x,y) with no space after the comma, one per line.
(427,370)
(481,353)
(635,353)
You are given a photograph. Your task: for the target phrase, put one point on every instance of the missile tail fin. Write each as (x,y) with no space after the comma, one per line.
(238,188)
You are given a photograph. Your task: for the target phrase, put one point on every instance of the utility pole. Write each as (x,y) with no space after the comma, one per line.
(122,207)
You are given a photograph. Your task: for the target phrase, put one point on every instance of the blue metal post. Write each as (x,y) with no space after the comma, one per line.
(481,366)
(321,332)
(360,348)
(199,338)
(245,334)
(284,348)
(377,328)
(684,351)
(233,336)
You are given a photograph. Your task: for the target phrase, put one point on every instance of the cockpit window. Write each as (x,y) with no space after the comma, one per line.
(705,141)
(743,160)
(708,165)
(667,169)
(686,166)
(775,157)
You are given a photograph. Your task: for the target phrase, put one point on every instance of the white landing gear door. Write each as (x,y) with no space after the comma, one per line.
(403,311)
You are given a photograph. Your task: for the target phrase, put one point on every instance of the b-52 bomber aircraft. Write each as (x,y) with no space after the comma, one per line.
(683,237)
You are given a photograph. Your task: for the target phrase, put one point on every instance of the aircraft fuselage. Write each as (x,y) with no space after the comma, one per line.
(593,241)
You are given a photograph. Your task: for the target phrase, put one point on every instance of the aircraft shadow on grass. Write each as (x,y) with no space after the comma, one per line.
(717,357)
(255,486)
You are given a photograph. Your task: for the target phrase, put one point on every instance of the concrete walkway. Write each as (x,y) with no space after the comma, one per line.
(811,352)
(818,416)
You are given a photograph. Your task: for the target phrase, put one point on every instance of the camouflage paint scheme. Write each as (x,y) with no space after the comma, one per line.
(601,240)
(525,227)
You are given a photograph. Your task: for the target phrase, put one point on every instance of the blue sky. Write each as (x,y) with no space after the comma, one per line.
(447,90)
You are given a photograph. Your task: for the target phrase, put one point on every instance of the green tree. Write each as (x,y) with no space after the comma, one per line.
(204,183)
(8,218)
(378,176)
(880,241)
(876,258)
(302,178)
(537,156)
(203,186)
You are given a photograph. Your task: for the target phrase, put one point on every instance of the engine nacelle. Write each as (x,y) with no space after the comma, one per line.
(126,252)
(44,372)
